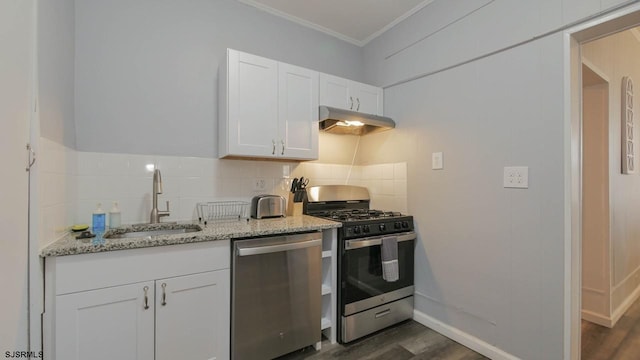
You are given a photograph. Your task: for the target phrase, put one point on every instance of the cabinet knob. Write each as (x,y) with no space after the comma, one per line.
(358,108)
(273,152)
(282,153)
(351,100)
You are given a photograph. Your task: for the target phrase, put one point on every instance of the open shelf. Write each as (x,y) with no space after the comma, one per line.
(326,254)
(326,289)
(325,323)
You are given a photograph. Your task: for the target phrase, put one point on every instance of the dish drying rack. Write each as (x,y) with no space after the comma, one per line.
(222,210)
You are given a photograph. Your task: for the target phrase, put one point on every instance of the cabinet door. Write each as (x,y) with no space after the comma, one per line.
(106,324)
(252,105)
(192,316)
(368,98)
(298,112)
(334,92)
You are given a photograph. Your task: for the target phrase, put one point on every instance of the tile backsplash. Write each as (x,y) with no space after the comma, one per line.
(74,182)
(387,183)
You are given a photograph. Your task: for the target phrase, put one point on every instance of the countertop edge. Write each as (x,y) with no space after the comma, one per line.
(252,228)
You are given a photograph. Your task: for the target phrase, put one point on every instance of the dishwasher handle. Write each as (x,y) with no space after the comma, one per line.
(257,250)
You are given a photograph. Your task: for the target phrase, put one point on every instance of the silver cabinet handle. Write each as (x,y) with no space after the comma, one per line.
(351,99)
(146,297)
(282,147)
(273,152)
(32,157)
(358,108)
(383,313)
(164,294)
(258,250)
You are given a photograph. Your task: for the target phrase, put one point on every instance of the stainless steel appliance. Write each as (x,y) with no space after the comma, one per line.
(341,121)
(275,295)
(267,206)
(366,301)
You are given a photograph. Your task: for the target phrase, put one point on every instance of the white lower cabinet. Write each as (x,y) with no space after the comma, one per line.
(105,324)
(187,324)
(161,303)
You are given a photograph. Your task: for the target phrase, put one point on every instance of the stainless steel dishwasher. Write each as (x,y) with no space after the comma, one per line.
(276,295)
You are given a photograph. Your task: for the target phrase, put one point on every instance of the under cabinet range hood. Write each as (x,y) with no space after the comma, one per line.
(340,121)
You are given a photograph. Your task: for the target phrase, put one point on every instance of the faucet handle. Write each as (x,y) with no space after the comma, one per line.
(167,206)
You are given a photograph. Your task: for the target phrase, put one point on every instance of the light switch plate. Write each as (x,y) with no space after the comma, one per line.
(437,162)
(516,177)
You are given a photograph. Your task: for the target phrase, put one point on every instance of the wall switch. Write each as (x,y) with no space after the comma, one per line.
(259,184)
(516,177)
(437,161)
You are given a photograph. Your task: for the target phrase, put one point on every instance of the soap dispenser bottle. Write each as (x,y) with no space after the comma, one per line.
(114,216)
(98,219)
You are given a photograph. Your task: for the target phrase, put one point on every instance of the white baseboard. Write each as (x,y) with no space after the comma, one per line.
(462,337)
(597,318)
(626,304)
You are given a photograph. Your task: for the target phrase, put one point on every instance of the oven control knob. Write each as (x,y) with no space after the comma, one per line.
(397,225)
(382,227)
(405,224)
(365,228)
(356,229)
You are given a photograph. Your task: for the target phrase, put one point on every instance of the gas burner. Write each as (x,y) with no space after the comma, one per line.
(357,214)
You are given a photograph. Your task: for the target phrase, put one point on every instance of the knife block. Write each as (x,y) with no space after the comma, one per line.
(293,208)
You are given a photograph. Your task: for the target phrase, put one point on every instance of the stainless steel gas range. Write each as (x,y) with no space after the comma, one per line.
(375,259)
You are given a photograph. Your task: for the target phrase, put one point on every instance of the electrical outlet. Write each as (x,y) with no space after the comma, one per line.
(437,161)
(516,177)
(259,184)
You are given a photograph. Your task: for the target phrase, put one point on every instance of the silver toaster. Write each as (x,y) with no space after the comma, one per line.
(268,206)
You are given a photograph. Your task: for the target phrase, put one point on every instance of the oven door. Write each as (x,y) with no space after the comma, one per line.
(362,285)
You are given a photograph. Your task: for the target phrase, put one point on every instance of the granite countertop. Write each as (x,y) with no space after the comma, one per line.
(69,245)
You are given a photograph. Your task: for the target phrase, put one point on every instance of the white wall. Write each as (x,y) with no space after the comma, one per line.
(146,70)
(16,96)
(617,56)
(490,260)
(56,50)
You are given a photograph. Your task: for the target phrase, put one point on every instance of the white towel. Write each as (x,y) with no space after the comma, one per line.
(390,270)
(389,255)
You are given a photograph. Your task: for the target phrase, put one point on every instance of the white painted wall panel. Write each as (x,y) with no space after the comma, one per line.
(573,10)
(146,70)
(490,259)
(56,52)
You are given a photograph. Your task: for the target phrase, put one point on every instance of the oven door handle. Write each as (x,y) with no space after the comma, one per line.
(377,240)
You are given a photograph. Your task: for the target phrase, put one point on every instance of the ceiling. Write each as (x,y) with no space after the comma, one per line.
(354,21)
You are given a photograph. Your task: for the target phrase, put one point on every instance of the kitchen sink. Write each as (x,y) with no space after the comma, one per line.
(147,230)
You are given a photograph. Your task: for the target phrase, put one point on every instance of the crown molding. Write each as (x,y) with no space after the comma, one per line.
(333,33)
(396,21)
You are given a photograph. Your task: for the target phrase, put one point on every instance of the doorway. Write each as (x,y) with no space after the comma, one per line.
(596,284)
(600,274)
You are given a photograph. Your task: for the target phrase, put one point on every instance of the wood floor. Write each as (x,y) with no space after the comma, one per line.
(408,340)
(622,342)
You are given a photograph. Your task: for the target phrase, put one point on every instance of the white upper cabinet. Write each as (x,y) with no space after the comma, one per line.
(350,95)
(252,105)
(267,109)
(298,112)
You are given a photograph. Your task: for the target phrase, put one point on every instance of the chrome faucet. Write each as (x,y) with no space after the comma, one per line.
(157,189)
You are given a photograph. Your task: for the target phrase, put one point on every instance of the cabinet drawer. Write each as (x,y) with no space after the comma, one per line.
(99,270)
